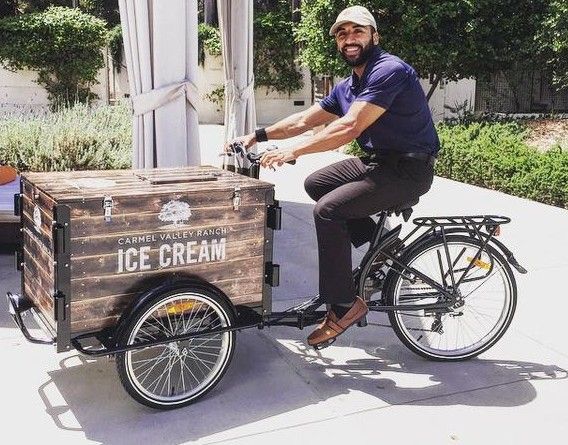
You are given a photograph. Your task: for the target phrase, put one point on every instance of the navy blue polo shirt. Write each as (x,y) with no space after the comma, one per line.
(390,83)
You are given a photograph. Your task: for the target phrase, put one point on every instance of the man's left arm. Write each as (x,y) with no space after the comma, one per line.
(340,132)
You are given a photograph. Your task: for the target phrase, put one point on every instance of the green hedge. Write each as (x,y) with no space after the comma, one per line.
(64,46)
(78,138)
(496,156)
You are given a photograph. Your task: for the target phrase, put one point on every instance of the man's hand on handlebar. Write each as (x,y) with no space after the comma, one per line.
(246,141)
(278,156)
(267,159)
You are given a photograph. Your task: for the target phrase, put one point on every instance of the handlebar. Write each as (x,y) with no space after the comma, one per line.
(238,149)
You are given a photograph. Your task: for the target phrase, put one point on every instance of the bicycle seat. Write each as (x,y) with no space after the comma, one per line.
(404,208)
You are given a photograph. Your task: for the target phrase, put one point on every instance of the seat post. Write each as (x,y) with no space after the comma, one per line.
(379,228)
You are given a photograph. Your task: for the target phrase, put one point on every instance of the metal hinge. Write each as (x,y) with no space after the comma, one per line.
(107,206)
(274,216)
(272,274)
(18,204)
(60,307)
(60,244)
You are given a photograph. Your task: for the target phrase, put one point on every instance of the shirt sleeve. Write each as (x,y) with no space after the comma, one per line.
(384,85)
(331,103)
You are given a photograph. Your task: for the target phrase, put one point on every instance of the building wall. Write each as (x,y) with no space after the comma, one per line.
(19,91)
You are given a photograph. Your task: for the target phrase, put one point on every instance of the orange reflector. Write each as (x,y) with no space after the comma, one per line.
(497,231)
(479,263)
(180,308)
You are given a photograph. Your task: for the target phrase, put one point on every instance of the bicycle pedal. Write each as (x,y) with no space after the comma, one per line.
(324,344)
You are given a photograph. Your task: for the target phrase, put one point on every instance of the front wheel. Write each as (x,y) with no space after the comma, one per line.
(177,373)
(487,297)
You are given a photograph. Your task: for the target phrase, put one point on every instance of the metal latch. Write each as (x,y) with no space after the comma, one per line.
(107,206)
(237,198)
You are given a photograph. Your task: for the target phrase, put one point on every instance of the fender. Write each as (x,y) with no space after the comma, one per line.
(153,294)
(498,244)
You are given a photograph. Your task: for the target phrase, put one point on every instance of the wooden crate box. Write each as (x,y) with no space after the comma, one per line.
(95,240)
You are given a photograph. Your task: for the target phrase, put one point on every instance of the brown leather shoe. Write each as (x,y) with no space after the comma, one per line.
(332,326)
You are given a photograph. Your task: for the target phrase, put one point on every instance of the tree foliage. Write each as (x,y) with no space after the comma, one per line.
(274,47)
(63,45)
(553,41)
(452,39)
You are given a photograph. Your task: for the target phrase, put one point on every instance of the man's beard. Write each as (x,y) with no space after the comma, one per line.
(364,55)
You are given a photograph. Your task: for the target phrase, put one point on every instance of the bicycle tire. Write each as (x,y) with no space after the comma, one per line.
(420,339)
(199,307)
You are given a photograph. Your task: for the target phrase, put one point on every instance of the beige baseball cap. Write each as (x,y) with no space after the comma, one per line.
(354,14)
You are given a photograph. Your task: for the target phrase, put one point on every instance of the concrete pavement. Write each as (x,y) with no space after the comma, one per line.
(365,388)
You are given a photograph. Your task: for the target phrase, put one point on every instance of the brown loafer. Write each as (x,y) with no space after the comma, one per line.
(332,326)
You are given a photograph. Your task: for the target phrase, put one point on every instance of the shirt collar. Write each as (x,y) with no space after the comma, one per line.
(354,80)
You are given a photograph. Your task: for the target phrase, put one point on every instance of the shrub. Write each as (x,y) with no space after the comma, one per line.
(77,138)
(496,156)
(63,45)
(209,39)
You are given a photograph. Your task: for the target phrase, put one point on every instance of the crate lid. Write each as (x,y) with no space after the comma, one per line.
(94,184)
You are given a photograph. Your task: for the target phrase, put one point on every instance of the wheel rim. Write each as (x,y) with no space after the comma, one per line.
(469,329)
(179,371)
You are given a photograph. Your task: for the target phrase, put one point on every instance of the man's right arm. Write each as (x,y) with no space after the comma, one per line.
(299,123)
(290,126)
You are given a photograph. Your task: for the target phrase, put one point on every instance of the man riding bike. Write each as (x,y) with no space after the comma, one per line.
(383,107)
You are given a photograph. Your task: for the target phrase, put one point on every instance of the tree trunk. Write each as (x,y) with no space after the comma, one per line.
(296,11)
(435,84)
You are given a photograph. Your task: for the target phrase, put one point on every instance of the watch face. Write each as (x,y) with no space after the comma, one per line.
(37,218)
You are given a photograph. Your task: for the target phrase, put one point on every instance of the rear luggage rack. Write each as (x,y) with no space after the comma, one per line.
(461,221)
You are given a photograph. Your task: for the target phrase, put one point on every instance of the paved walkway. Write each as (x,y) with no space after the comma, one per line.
(366,387)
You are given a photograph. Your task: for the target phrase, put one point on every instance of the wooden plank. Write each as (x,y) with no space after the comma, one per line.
(39,295)
(60,184)
(37,195)
(37,252)
(96,324)
(114,305)
(43,236)
(150,222)
(64,194)
(154,203)
(95,286)
(42,274)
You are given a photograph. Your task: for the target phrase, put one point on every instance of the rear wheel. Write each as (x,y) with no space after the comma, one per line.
(177,373)
(486,303)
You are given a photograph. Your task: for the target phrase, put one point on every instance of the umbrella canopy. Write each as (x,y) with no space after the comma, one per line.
(160,44)
(236,25)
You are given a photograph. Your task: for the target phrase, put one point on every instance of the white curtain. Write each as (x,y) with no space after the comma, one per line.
(160,44)
(236,25)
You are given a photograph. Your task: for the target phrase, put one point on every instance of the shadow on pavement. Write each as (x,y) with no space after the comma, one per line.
(256,389)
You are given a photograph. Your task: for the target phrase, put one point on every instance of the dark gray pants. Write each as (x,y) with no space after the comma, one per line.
(347,193)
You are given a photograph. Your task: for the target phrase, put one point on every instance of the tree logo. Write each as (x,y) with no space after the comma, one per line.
(176,212)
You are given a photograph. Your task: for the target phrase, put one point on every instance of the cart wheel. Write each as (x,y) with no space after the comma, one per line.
(177,373)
